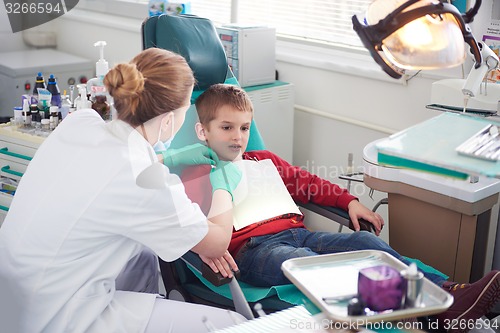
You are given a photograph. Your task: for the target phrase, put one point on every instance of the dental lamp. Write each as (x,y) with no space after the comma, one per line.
(429,34)
(469,94)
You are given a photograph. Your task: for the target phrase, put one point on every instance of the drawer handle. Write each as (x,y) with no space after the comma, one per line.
(4,208)
(6,151)
(7,169)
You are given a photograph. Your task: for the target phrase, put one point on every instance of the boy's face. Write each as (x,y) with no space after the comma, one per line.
(228,133)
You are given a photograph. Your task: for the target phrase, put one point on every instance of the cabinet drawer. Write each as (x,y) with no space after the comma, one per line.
(5,201)
(16,153)
(12,169)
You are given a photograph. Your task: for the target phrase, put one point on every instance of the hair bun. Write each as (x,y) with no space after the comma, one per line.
(124,81)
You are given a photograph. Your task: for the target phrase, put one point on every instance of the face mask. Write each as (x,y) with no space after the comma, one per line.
(162,146)
(147,175)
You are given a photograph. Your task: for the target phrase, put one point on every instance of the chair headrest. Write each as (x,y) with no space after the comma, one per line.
(196,39)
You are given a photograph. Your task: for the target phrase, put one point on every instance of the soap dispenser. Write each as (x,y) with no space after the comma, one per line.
(95,86)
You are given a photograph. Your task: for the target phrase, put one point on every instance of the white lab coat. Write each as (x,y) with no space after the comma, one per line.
(77,218)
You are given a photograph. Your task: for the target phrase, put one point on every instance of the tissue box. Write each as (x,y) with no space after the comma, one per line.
(177,7)
(158,7)
(380,288)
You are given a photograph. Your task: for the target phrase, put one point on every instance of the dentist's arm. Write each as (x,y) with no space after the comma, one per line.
(224,179)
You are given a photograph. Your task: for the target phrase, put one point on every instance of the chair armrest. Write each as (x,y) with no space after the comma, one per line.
(338,215)
(240,303)
(193,260)
(353,177)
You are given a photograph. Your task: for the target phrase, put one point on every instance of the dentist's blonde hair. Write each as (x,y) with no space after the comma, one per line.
(156,81)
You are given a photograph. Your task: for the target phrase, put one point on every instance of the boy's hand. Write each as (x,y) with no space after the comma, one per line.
(225,176)
(225,264)
(357,211)
(190,155)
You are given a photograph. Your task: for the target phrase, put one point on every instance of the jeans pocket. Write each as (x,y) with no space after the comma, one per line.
(250,243)
(241,252)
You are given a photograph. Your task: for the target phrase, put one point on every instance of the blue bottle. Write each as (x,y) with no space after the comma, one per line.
(39,83)
(54,90)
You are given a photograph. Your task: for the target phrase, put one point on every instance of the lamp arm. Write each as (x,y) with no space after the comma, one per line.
(469,15)
(477,73)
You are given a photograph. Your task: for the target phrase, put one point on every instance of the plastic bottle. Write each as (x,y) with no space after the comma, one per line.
(95,86)
(26,114)
(39,83)
(54,90)
(81,102)
(71,92)
(18,116)
(65,106)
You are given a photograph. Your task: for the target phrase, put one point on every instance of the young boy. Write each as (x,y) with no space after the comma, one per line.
(268,229)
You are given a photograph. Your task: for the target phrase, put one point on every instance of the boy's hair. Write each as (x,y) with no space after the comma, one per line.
(219,95)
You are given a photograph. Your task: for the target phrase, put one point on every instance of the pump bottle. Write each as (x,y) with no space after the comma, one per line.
(95,86)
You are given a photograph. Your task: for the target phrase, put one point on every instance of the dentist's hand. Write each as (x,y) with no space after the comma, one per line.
(190,155)
(225,264)
(225,176)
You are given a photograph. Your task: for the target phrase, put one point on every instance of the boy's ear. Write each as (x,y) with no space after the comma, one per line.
(200,131)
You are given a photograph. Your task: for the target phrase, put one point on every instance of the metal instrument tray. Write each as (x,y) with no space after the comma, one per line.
(485,144)
(331,280)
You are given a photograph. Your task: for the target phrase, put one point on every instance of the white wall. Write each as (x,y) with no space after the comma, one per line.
(321,143)
(78,31)
(9,41)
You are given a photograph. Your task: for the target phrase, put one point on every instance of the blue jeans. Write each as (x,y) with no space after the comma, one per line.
(260,259)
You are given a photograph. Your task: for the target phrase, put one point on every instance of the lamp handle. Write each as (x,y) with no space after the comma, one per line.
(477,73)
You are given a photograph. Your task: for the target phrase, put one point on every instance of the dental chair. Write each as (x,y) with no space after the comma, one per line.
(189,278)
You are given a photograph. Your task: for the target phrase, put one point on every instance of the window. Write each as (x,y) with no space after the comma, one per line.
(323,21)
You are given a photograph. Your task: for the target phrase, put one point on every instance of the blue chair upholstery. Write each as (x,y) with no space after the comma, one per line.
(193,37)
(196,39)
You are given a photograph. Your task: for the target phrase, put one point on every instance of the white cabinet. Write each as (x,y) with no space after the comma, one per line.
(16,151)
(274,114)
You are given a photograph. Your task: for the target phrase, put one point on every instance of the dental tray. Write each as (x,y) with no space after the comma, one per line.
(331,280)
(485,144)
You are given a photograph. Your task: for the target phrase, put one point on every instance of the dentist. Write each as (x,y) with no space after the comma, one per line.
(95,206)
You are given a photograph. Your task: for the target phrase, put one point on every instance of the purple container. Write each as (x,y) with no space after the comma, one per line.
(380,288)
